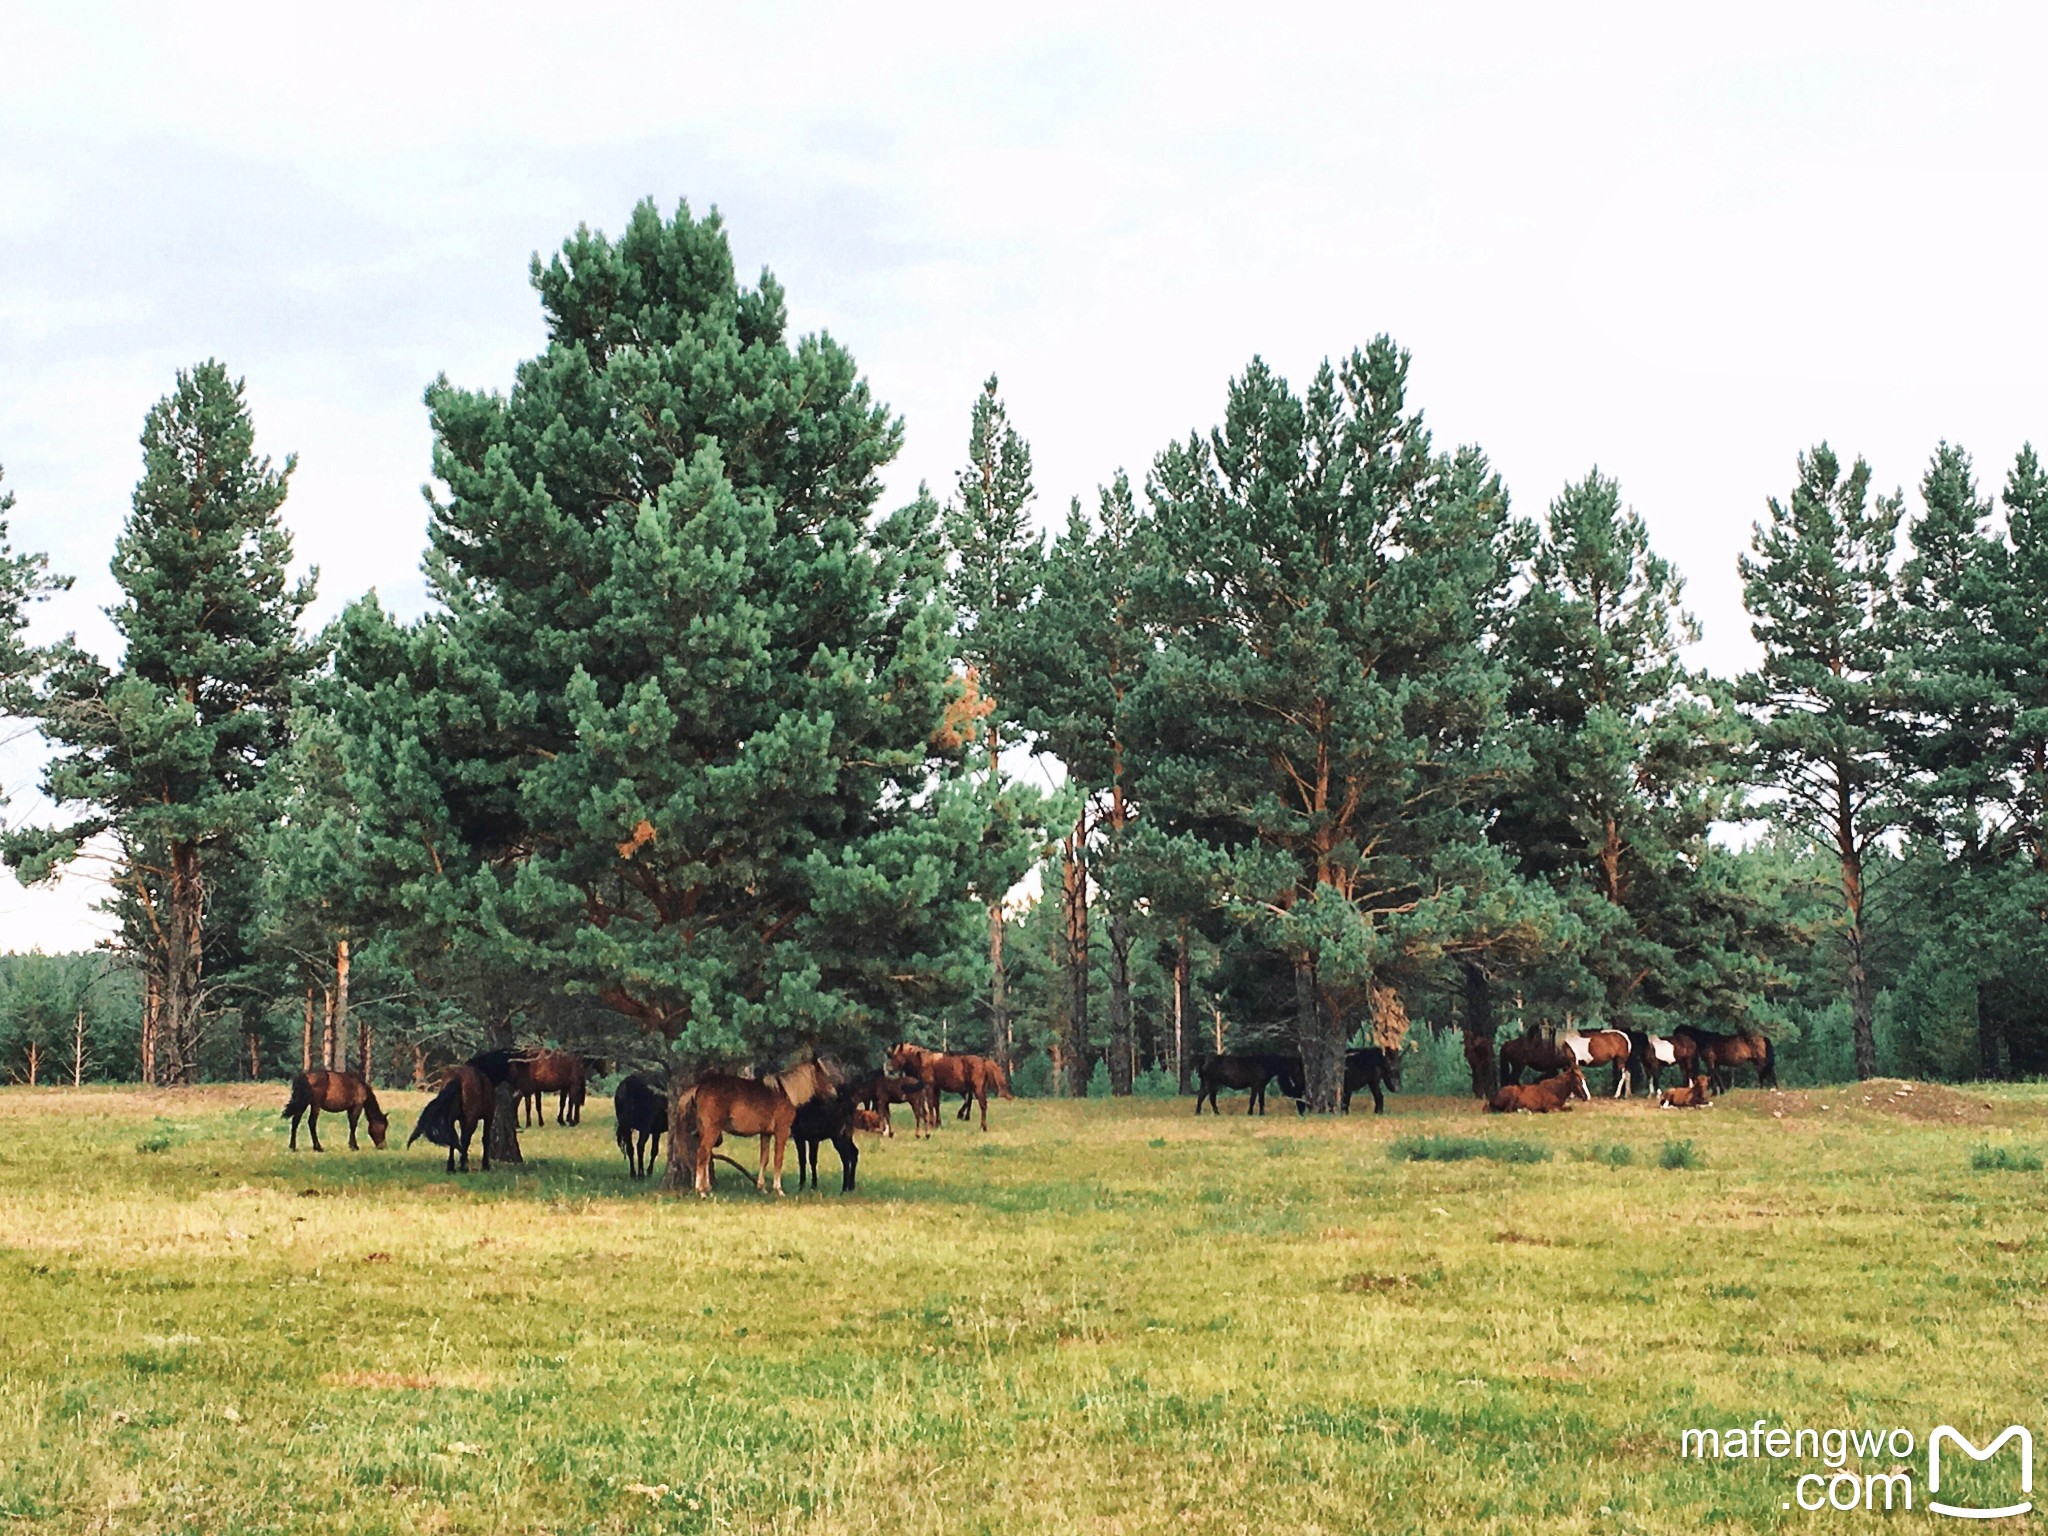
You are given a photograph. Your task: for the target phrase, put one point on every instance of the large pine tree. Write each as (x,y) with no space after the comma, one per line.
(169,749)
(675,739)
(1322,728)
(1820,592)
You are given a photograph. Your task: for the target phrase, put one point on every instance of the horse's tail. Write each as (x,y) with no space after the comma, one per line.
(1000,1079)
(301,1099)
(437,1120)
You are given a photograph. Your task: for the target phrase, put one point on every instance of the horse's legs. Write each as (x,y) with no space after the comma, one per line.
(781,1141)
(981,1098)
(761,1173)
(966,1100)
(352,1130)
(1379,1104)
(295,1129)
(313,1126)
(451,1157)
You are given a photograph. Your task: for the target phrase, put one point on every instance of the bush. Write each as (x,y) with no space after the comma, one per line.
(1989,1159)
(1458,1149)
(1678,1154)
(1619,1155)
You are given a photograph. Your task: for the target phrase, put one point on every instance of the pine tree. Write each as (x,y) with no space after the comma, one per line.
(1633,759)
(25,580)
(1322,727)
(993,578)
(1819,589)
(676,740)
(169,750)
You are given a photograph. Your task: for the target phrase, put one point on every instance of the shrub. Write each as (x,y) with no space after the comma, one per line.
(1458,1149)
(1678,1154)
(1989,1159)
(1619,1155)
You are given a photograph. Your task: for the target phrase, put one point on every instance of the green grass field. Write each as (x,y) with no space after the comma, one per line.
(1097,1317)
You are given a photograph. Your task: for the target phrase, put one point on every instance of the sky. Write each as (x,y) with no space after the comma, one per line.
(1682,244)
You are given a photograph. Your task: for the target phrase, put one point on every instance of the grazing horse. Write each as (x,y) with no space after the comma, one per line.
(1539,1055)
(879,1091)
(752,1106)
(452,1116)
(972,1077)
(1253,1074)
(1720,1054)
(561,1073)
(1590,1048)
(822,1120)
(1371,1068)
(337,1093)
(640,1117)
(1698,1094)
(1553,1093)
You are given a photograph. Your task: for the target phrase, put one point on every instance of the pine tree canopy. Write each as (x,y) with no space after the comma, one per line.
(675,740)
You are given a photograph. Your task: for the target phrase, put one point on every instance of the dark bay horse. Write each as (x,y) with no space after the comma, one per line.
(452,1116)
(1535,1053)
(1253,1074)
(819,1121)
(337,1093)
(1374,1068)
(1720,1054)
(719,1102)
(972,1077)
(878,1091)
(1553,1093)
(562,1073)
(640,1119)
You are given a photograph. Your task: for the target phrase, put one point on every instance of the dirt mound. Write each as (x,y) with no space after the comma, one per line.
(1930,1102)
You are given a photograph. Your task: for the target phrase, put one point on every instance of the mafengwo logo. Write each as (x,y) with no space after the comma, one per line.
(1889,1485)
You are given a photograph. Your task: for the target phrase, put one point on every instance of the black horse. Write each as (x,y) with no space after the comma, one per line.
(1253,1074)
(1371,1068)
(640,1116)
(821,1120)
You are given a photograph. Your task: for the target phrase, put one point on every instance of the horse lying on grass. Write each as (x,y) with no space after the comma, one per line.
(1553,1093)
(337,1093)
(1698,1094)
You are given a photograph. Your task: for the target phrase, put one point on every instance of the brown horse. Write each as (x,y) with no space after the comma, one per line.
(765,1107)
(452,1116)
(881,1091)
(1534,1052)
(561,1073)
(1720,1054)
(1553,1093)
(1699,1094)
(337,1093)
(972,1077)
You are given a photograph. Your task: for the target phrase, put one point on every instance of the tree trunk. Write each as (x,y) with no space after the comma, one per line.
(1322,1036)
(1862,995)
(306,1044)
(1001,1042)
(341,1007)
(1987,1037)
(1122,1044)
(1183,1013)
(504,1137)
(78,1051)
(152,1022)
(180,1024)
(1479,1033)
(419,1065)
(330,1051)
(681,1173)
(1074,911)
(249,1039)
(35,1061)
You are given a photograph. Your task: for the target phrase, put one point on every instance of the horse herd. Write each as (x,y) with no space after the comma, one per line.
(813,1102)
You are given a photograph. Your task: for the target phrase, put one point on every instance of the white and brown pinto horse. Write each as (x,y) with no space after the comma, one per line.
(1592,1047)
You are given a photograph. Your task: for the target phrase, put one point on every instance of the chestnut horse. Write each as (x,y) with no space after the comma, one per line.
(337,1093)
(1719,1054)
(1553,1093)
(766,1107)
(452,1116)
(542,1072)
(1593,1047)
(879,1091)
(972,1077)
(1699,1094)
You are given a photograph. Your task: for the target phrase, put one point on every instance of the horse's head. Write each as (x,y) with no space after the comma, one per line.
(904,1056)
(1393,1068)
(1575,1080)
(378,1124)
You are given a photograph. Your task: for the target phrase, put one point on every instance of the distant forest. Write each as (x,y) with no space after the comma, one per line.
(1298,736)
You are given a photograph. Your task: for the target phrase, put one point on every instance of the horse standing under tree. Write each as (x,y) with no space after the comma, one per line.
(561,1073)
(337,1093)
(640,1120)
(972,1077)
(720,1102)
(1253,1074)
(452,1115)
(1534,1053)
(1720,1054)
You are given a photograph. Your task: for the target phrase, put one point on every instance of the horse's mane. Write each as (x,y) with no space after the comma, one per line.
(370,1104)
(805,1081)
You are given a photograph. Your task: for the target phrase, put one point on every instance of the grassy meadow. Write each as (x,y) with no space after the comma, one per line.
(1100,1316)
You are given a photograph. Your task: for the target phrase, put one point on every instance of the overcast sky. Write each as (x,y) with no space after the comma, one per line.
(1680,248)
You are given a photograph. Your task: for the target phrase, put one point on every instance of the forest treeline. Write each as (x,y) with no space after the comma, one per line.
(1299,734)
